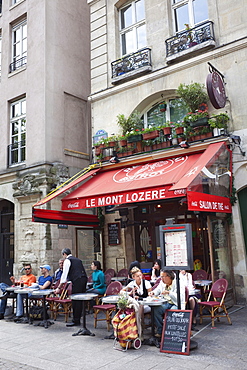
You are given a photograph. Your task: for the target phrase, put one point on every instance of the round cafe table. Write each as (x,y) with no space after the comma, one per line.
(43,292)
(84,297)
(110,299)
(152,302)
(25,292)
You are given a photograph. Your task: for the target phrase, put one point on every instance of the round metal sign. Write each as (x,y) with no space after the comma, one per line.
(216,90)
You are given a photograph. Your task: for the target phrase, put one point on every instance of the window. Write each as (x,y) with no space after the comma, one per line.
(0,53)
(170,110)
(189,12)
(17,149)
(132,27)
(15,1)
(19,46)
(0,6)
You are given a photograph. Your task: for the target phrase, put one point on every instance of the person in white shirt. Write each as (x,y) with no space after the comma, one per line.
(167,289)
(186,280)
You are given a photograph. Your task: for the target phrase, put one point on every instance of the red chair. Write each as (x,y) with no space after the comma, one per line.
(107,279)
(112,289)
(218,292)
(200,275)
(123,273)
(110,272)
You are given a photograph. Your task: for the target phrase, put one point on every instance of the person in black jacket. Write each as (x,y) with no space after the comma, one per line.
(74,271)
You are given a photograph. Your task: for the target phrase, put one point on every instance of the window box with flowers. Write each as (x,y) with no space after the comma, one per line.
(179,127)
(167,127)
(198,118)
(134,136)
(150,133)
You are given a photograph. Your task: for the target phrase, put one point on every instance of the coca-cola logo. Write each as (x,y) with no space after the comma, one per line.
(149,170)
(73,205)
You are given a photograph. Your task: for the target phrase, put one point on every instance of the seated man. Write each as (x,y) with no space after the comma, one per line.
(27,279)
(168,290)
(58,273)
(44,282)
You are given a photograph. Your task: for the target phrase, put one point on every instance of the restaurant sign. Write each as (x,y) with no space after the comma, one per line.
(140,195)
(208,202)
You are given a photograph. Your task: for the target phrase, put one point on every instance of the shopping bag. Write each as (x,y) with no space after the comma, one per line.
(125,328)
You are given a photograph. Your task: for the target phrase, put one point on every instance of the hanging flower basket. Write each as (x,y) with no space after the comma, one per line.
(179,130)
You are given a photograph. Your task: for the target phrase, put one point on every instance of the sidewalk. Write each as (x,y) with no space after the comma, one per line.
(29,347)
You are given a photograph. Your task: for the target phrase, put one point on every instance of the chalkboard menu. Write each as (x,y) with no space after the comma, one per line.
(114,233)
(176,332)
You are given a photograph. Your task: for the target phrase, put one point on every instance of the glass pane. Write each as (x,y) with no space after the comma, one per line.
(181,17)
(24,46)
(141,37)
(128,42)
(200,8)
(23,126)
(15,110)
(177,110)
(140,13)
(24,31)
(18,34)
(17,50)
(14,128)
(157,115)
(23,107)
(126,17)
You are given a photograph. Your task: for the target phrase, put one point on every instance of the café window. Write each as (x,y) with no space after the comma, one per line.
(132,27)
(172,110)
(190,12)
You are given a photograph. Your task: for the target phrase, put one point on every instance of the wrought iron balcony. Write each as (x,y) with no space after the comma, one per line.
(18,63)
(131,65)
(16,152)
(198,37)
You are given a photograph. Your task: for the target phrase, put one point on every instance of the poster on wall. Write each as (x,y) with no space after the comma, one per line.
(176,246)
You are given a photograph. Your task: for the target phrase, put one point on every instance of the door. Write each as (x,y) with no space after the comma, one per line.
(6,240)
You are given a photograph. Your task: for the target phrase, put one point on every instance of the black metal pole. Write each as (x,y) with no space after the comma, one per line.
(178,290)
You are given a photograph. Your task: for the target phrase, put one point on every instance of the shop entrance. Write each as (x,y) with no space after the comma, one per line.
(6,240)
(151,216)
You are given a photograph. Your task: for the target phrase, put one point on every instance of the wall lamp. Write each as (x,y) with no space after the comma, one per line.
(184,144)
(114,158)
(236,141)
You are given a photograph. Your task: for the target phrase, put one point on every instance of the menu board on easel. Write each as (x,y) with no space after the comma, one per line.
(113,233)
(176,332)
(176,246)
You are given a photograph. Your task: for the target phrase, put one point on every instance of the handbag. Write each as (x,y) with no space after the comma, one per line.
(36,313)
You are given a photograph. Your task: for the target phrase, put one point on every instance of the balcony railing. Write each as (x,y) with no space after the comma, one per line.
(16,152)
(189,38)
(18,63)
(139,61)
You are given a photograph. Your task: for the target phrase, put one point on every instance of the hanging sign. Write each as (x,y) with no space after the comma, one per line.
(216,90)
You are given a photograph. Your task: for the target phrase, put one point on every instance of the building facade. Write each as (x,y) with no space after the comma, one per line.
(141,51)
(45,122)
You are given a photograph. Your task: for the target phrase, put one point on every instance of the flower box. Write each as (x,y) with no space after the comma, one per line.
(134,138)
(179,130)
(123,142)
(167,130)
(150,135)
(200,122)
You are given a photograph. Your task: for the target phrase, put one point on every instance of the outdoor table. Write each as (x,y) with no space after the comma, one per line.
(119,278)
(24,291)
(111,299)
(83,297)
(43,292)
(153,302)
(203,282)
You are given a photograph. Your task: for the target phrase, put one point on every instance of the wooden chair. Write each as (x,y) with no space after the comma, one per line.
(63,304)
(112,289)
(200,275)
(217,292)
(110,272)
(51,299)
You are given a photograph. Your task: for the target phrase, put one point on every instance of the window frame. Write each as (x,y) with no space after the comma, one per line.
(21,143)
(179,4)
(23,54)
(132,28)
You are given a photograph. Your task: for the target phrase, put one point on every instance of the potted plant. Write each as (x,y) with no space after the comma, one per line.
(198,118)
(122,140)
(150,133)
(194,95)
(192,42)
(166,127)
(131,123)
(219,120)
(179,127)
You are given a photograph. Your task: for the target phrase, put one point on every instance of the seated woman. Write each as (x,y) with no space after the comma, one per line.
(156,271)
(98,277)
(186,280)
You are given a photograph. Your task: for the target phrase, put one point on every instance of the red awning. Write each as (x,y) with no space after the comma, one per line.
(144,182)
(65,218)
(208,202)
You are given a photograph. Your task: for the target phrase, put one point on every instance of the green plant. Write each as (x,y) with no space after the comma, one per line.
(149,129)
(192,117)
(219,120)
(193,95)
(131,123)
(122,302)
(166,124)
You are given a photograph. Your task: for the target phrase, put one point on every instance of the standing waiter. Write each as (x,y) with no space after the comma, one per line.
(73,270)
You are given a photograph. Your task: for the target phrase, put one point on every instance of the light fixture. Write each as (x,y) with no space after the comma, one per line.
(184,144)
(236,141)
(114,158)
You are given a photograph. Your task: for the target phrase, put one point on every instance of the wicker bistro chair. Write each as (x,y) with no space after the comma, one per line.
(123,273)
(112,289)
(199,275)
(218,292)
(107,279)
(63,304)
(51,299)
